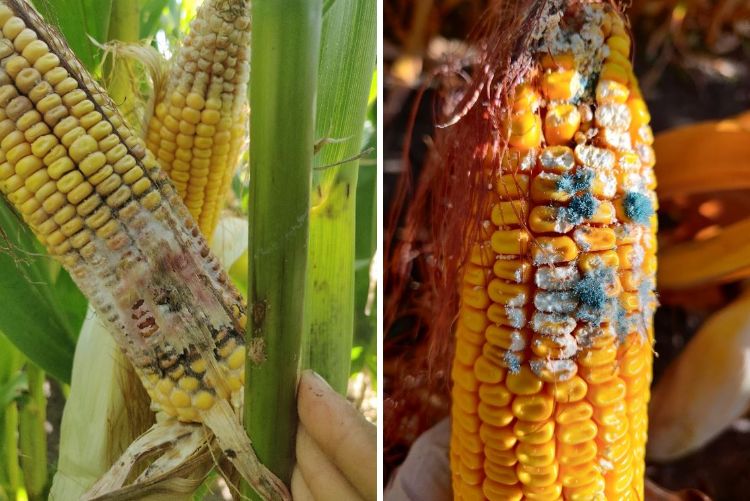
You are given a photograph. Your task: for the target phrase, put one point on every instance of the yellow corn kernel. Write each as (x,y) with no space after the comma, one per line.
(512,186)
(563,61)
(538,407)
(534,432)
(495,490)
(523,382)
(544,219)
(486,371)
(619,44)
(467,353)
(509,213)
(464,376)
(561,85)
(614,72)
(525,98)
(475,296)
(511,294)
(495,394)
(495,416)
(549,250)
(512,242)
(506,338)
(577,432)
(541,476)
(475,275)
(545,188)
(526,131)
(516,270)
(561,123)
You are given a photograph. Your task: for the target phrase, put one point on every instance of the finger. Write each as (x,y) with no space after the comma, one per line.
(342,433)
(300,490)
(426,469)
(324,480)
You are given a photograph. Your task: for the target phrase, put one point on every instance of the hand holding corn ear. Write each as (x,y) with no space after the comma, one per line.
(97,199)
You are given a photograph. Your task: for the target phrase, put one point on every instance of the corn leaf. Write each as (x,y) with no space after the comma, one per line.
(13,388)
(36,318)
(347,60)
(78,20)
(151,12)
(365,308)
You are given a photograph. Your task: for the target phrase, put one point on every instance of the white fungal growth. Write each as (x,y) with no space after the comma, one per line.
(645,134)
(517,341)
(557,278)
(583,38)
(580,236)
(552,324)
(594,157)
(561,370)
(628,231)
(615,116)
(516,317)
(557,159)
(517,300)
(548,254)
(555,301)
(619,140)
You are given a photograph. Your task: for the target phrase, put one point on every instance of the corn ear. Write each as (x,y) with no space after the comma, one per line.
(199,124)
(554,334)
(705,389)
(694,263)
(95,197)
(684,153)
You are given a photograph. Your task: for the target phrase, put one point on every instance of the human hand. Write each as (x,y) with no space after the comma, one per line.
(336,446)
(425,475)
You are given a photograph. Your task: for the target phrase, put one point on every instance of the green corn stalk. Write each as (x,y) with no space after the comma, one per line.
(32,437)
(285,47)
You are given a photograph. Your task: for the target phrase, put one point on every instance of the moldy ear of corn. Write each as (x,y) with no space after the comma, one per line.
(200,120)
(95,197)
(554,333)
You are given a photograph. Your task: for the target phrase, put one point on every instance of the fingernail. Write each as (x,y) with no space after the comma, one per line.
(319,381)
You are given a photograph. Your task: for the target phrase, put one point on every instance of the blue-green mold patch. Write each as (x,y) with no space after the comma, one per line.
(580,208)
(580,180)
(638,207)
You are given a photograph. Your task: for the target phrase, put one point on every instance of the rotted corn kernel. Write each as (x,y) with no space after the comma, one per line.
(199,124)
(553,348)
(84,183)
